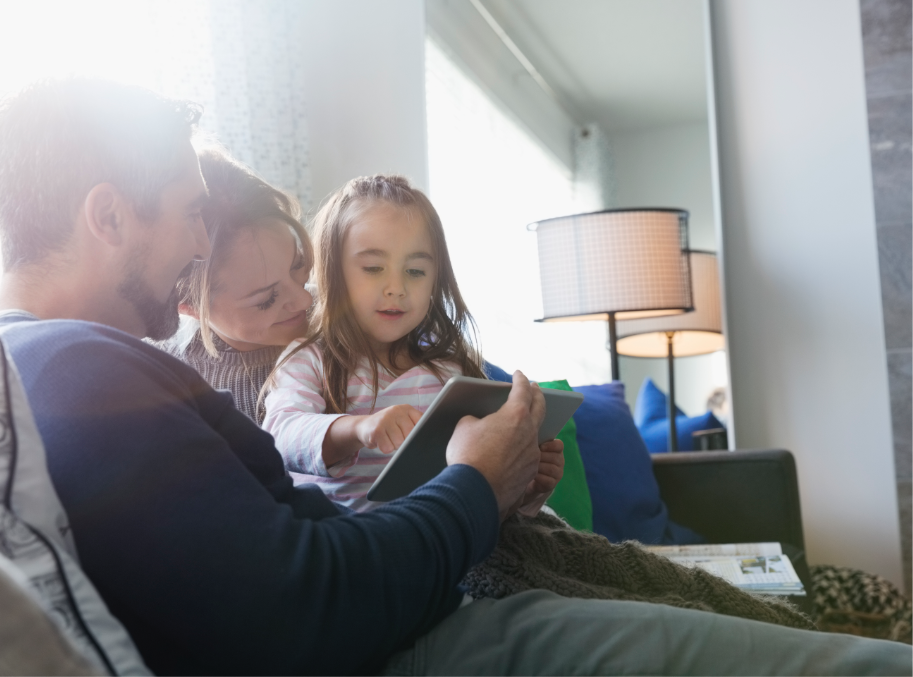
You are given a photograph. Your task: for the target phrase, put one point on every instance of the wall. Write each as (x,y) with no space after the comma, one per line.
(670,167)
(800,265)
(886,45)
(365,84)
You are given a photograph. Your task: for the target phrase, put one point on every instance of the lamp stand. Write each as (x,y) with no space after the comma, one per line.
(612,346)
(670,400)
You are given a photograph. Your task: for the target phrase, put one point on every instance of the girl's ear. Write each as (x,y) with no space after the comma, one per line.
(187,309)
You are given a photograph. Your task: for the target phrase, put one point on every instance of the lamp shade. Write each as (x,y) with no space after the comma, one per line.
(696,333)
(630,262)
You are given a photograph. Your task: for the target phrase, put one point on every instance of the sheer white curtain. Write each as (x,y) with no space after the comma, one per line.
(240,59)
(489,179)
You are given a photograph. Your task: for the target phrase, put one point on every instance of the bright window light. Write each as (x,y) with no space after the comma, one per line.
(161,44)
(489,179)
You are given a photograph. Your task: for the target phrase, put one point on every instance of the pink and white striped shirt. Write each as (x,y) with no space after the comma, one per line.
(296,418)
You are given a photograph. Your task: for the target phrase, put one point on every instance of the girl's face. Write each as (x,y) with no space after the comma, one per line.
(389,272)
(258,297)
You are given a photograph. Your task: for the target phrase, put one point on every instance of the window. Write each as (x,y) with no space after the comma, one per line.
(489,179)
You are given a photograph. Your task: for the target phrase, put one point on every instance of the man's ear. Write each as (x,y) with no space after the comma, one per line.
(107,212)
(187,309)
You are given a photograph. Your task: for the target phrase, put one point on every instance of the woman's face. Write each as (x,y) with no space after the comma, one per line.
(258,297)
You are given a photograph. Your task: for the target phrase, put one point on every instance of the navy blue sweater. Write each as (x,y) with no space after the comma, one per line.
(190,528)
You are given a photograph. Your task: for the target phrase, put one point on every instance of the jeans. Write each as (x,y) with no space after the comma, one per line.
(541,633)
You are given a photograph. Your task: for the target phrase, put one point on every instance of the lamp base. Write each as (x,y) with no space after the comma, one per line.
(670,400)
(612,346)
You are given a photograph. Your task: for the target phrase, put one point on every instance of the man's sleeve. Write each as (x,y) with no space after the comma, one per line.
(210,561)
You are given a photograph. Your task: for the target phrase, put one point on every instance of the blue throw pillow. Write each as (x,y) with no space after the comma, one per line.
(496,373)
(650,417)
(619,472)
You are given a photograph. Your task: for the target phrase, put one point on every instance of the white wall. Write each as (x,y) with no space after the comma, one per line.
(800,265)
(670,167)
(365,84)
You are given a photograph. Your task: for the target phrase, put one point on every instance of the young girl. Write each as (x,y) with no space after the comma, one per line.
(247,300)
(390,329)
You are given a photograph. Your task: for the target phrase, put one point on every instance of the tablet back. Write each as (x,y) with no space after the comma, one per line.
(423,453)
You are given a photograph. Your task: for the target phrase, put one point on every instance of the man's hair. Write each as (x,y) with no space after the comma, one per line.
(60,138)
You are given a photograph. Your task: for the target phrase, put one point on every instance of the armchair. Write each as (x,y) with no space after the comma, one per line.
(737,497)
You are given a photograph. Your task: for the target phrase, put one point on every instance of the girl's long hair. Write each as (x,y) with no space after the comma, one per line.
(239,201)
(448,332)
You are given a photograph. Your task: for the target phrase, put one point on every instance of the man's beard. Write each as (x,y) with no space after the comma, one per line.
(160,318)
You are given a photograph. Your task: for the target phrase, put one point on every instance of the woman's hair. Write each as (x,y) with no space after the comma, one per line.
(239,202)
(446,334)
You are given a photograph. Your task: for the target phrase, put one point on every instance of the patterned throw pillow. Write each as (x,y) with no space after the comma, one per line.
(31,643)
(35,538)
(855,602)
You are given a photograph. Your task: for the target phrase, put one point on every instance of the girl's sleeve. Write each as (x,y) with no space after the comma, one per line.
(295,416)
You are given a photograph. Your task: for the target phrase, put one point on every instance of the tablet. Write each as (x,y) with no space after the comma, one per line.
(422,455)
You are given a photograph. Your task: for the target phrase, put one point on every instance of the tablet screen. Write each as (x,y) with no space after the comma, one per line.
(423,454)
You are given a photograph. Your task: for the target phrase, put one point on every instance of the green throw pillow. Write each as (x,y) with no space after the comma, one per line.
(571,498)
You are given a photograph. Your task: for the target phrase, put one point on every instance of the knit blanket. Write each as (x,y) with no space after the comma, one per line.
(544,553)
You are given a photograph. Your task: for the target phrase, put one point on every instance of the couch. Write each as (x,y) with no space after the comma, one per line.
(55,622)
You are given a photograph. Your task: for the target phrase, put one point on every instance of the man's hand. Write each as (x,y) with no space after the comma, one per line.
(551,470)
(504,446)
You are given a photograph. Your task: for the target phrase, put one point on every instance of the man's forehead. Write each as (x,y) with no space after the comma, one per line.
(189,182)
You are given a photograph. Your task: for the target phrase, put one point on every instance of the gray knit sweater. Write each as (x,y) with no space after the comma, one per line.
(241,373)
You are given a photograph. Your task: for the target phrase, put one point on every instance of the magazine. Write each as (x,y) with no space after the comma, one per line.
(758,567)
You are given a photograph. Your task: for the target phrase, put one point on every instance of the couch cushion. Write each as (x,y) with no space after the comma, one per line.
(650,417)
(626,500)
(35,539)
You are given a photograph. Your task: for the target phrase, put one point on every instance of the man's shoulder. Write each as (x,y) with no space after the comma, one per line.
(18,328)
(80,345)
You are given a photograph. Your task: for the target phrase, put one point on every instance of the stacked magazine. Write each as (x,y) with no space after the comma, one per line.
(758,567)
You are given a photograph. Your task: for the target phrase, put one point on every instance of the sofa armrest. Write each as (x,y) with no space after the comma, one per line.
(733,496)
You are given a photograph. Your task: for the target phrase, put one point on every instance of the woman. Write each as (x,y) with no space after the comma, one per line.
(247,301)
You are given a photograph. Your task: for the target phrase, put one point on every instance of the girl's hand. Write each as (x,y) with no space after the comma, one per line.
(551,470)
(387,429)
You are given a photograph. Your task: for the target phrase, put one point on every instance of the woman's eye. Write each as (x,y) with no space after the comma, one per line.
(372,269)
(415,272)
(267,304)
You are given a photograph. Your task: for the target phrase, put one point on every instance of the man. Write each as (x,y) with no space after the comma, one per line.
(181,510)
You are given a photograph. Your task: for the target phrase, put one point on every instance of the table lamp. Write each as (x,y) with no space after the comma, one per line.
(696,333)
(613,265)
